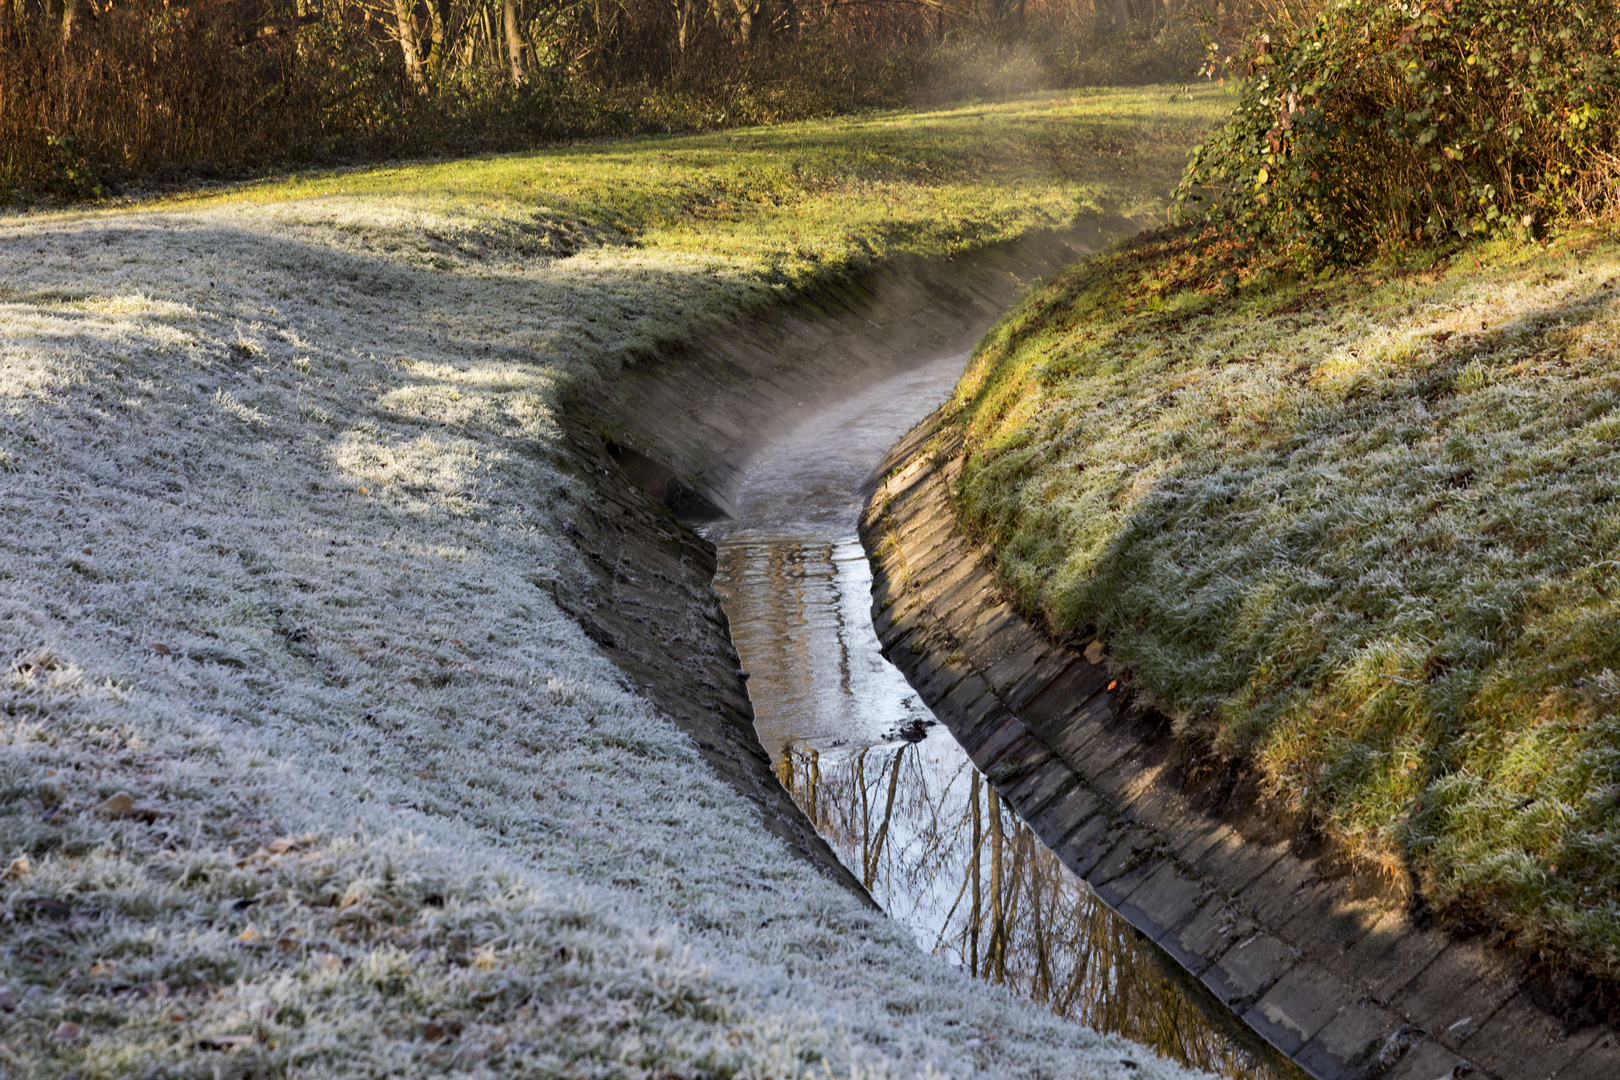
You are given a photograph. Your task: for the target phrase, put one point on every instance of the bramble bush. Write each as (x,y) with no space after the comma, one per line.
(1383,122)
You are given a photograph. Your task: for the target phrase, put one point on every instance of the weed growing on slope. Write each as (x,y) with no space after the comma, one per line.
(1361,530)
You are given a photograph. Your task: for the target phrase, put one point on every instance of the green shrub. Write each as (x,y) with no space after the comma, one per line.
(1385,121)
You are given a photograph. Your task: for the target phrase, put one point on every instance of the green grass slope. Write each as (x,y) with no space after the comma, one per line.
(1361,531)
(304,769)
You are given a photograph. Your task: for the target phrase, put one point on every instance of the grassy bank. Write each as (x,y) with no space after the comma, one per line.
(1358,532)
(304,770)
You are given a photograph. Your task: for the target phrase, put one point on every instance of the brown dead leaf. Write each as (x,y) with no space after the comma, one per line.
(1094,653)
(161,650)
(67,1033)
(19,868)
(118,805)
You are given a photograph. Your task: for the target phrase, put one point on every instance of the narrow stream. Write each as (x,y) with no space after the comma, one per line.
(889,787)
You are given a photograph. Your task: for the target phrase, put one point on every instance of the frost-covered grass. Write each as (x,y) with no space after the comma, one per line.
(1362,532)
(303,770)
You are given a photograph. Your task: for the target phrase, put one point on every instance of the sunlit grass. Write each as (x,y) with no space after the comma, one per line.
(1361,530)
(796,200)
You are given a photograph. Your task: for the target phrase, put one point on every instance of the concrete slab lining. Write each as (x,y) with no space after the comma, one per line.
(1324,961)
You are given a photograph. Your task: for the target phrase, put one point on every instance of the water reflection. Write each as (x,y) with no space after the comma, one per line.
(891,790)
(936,847)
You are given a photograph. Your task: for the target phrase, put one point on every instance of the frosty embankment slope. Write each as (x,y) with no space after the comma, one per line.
(303,769)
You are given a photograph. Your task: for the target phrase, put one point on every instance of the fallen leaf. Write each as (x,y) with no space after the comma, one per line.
(161,650)
(1113,684)
(250,935)
(1094,652)
(103,967)
(363,489)
(118,805)
(19,868)
(282,846)
(67,1033)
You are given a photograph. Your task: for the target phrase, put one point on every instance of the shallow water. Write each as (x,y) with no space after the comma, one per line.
(889,787)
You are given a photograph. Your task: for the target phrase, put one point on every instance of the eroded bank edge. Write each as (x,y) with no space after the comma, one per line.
(1328,966)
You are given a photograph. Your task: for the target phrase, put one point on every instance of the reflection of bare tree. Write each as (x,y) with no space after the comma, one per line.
(915,830)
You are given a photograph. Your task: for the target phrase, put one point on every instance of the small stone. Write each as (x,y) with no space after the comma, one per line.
(67,1033)
(117,806)
(8,999)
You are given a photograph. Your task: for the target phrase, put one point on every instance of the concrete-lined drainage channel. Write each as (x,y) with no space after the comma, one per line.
(1072,864)
(891,789)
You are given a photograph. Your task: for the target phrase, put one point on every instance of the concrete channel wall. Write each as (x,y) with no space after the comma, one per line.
(1332,968)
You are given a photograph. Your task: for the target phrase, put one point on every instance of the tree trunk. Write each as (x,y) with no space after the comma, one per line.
(978,903)
(883,827)
(407,46)
(683,23)
(998,927)
(514,42)
(439,46)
